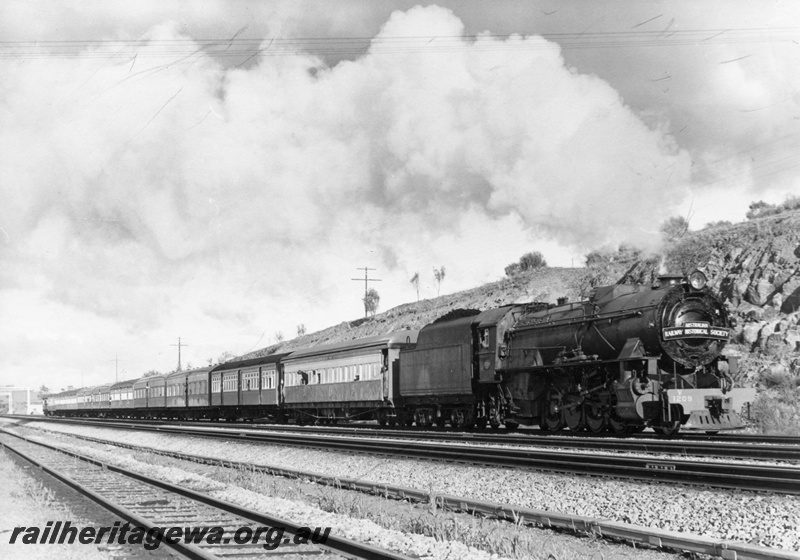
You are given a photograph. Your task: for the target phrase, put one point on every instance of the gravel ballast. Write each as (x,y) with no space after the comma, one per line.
(758,518)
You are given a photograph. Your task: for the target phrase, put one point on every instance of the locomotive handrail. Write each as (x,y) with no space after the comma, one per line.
(585,318)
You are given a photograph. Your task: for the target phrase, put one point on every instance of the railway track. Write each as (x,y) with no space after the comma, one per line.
(603,528)
(777,479)
(775,449)
(156,505)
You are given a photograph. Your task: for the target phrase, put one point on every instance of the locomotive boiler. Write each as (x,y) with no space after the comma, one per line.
(628,357)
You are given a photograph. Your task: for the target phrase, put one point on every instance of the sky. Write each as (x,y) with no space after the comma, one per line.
(219,171)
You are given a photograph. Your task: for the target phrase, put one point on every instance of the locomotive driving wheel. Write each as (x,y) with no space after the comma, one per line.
(596,419)
(554,418)
(573,418)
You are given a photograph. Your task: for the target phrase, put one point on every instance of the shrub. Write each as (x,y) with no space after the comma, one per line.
(532,260)
(760,209)
(512,269)
(528,261)
(776,411)
(674,228)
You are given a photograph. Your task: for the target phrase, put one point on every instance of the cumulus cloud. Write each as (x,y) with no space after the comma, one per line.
(155,183)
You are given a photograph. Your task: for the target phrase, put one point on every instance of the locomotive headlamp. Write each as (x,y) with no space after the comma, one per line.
(697,280)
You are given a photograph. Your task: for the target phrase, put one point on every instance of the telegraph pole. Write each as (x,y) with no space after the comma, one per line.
(367,280)
(179,351)
(116,367)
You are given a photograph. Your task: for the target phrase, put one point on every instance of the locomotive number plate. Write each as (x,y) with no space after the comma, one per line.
(680,398)
(696,330)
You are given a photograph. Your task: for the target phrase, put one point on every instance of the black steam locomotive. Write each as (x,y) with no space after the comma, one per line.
(627,357)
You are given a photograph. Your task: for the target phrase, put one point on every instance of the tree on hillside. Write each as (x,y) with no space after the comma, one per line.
(512,269)
(759,209)
(674,228)
(301,329)
(152,373)
(532,260)
(371,301)
(278,336)
(415,283)
(528,261)
(43,390)
(439,277)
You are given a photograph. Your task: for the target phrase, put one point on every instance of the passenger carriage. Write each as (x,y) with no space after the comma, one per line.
(177,391)
(61,404)
(247,388)
(149,396)
(101,400)
(197,393)
(122,398)
(83,405)
(355,380)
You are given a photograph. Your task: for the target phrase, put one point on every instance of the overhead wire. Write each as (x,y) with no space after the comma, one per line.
(349,46)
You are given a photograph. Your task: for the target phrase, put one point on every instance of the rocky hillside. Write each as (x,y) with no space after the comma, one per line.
(754,265)
(544,284)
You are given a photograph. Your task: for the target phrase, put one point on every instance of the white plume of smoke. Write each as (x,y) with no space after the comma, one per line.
(140,175)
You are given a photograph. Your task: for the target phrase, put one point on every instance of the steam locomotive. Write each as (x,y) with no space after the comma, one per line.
(626,358)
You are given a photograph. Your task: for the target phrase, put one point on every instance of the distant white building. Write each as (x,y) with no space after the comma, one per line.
(19,400)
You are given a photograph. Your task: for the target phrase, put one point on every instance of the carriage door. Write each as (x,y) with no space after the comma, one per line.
(239,400)
(260,385)
(385,376)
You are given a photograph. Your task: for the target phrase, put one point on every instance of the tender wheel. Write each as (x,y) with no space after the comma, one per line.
(495,418)
(457,419)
